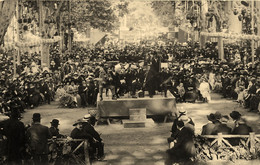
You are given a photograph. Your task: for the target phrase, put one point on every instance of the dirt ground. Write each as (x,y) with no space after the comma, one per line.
(142,146)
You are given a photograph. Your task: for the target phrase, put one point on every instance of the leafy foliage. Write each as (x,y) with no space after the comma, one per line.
(165,10)
(97,14)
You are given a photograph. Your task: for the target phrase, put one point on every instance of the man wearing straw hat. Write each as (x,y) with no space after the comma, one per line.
(85,130)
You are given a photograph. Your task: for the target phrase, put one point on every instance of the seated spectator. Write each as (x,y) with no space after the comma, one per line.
(84,130)
(221,126)
(241,129)
(183,147)
(95,139)
(235,115)
(204,89)
(181,91)
(60,92)
(54,130)
(181,117)
(208,128)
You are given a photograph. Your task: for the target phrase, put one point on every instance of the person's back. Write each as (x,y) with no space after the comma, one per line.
(242,128)
(14,130)
(207,129)
(221,128)
(38,137)
(183,147)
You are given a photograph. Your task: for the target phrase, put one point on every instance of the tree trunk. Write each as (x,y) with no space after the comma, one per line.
(7,10)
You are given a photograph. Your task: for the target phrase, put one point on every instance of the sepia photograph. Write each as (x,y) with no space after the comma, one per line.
(129,82)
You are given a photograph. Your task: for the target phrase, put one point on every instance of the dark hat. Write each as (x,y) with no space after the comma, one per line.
(15,114)
(55,122)
(235,115)
(217,115)
(211,117)
(36,116)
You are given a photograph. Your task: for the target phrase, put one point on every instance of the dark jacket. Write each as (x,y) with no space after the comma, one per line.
(242,129)
(221,128)
(207,129)
(38,136)
(184,147)
(79,134)
(89,129)
(14,130)
(55,132)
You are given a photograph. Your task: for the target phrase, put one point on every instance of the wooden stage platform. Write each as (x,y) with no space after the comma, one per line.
(158,105)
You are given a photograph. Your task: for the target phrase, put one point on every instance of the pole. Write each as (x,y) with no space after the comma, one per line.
(18,32)
(41,29)
(252,28)
(69,26)
(86,154)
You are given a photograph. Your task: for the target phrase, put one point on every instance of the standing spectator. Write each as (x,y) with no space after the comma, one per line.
(82,91)
(38,140)
(14,131)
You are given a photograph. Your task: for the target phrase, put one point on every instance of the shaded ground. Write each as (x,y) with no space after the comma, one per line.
(141,145)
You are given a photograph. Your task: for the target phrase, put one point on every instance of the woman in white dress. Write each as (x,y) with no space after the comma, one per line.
(212,80)
(204,89)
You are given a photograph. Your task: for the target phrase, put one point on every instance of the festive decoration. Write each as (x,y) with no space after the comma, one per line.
(233,36)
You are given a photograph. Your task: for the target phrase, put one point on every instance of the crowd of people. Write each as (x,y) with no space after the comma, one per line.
(24,144)
(75,79)
(181,141)
(78,78)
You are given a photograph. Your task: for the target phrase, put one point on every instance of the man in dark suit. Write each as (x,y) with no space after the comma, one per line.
(14,131)
(208,128)
(38,136)
(183,148)
(54,130)
(94,139)
(241,129)
(221,126)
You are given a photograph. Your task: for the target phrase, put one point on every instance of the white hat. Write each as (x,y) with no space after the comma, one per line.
(182,111)
(86,117)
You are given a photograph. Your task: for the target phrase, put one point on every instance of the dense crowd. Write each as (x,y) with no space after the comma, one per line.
(79,78)
(75,79)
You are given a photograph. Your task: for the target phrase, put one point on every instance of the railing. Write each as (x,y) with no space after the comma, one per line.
(252,139)
(248,143)
(83,142)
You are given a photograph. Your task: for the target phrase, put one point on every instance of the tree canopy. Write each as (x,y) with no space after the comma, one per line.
(97,14)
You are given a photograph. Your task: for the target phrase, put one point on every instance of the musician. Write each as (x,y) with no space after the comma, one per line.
(123,86)
(131,80)
(82,91)
(44,89)
(110,83)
